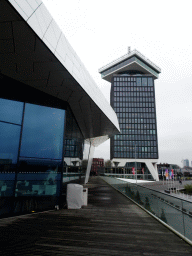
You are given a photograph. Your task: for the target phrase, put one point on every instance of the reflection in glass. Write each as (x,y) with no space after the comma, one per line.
(38,184)
(73,145)
(11,111)
(42,132)
(9,139)
(7,184)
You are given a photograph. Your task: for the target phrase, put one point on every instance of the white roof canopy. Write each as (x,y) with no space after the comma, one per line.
(35,52)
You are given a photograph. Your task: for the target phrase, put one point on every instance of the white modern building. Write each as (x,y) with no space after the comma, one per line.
(50,107)
(186,162)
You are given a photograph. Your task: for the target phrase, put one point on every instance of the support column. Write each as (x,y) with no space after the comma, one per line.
(153,170)
(152,166)
(90,158)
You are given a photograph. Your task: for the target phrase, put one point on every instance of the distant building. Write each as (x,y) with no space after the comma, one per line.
(132,79)
(97,165)
(168,166)
(186,162)
(187,171)
(165,166)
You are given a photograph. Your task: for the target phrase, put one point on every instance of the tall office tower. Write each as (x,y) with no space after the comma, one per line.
(186,163)
(133,99)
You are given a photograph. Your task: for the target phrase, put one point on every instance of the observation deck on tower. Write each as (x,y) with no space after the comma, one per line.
(132,62)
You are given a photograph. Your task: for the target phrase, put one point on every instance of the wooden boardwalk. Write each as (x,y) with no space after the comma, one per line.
(109,225)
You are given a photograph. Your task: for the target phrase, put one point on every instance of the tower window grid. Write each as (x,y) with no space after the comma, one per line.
(133,99)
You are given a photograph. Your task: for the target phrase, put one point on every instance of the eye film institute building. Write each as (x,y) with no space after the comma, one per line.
(51,110)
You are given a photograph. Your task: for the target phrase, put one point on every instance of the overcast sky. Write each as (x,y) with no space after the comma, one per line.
(101,31)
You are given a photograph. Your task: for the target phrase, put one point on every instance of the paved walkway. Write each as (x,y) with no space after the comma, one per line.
(109,225)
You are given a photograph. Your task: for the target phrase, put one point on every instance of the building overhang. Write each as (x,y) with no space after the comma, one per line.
(133,61)
(150,163)
(34,51)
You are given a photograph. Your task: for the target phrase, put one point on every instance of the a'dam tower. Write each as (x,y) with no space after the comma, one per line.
(132,78)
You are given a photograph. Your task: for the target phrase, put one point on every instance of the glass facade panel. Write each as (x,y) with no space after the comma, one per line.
(74,141)
(42,132)
(6,184)
(38,184)
(136,128)
(32,147)
(9,138)
(144,81)
(11,111)
(150,81)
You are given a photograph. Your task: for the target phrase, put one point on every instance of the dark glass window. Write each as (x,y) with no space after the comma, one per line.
(150,81)
(11,111)
(42,132)
(9,139)
(144,81)
(136,116)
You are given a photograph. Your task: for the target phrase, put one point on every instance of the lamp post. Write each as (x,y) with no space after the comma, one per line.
(135,164)
(116,165)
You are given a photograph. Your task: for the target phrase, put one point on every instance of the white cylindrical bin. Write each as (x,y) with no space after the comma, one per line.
(74,196)
(85,196)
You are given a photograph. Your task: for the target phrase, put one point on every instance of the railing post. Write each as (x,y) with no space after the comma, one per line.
(183,218)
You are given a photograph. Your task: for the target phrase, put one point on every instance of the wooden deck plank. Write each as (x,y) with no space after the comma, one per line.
(110,225)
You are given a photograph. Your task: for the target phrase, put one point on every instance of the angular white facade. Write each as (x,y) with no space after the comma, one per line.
(37,53)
